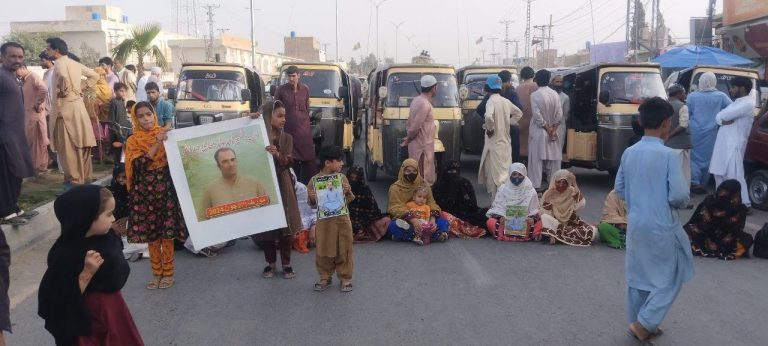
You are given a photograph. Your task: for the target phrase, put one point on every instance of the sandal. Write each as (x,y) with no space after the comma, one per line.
(154,283)
(28,214)
(14,221)
(268,272)
(207,252)
(347,287)
(322,285)
(166,282)
(288,273)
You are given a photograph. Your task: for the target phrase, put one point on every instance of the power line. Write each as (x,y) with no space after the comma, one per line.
(209,12)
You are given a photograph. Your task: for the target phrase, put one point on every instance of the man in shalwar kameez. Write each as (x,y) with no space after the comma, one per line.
(420,126)
(703,106)
(73,136)
(658,258)
(735,125)
(500,113)
(544,151)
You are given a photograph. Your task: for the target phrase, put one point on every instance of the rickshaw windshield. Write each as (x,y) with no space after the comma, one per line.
(402,88)
(211,85)
(475,84)
(724,84)
(321,83)
(632,87)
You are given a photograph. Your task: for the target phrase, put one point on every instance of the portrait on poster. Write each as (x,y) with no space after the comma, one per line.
(225,180)
(330,196)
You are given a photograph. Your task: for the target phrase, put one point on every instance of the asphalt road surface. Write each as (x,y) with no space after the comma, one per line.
(463,292)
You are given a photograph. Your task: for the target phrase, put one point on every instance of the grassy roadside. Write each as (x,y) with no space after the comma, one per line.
(42,189)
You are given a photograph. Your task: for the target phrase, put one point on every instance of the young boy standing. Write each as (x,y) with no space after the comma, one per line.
(334,234)
(658,260)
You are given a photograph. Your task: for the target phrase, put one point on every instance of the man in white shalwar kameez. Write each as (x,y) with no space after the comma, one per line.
(500,114)
(544,151)
(735,124)
(658,259)
(557,85)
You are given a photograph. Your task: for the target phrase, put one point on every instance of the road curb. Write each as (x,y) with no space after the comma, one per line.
(39,227)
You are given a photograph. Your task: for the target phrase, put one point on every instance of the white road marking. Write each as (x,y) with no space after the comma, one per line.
(482,278)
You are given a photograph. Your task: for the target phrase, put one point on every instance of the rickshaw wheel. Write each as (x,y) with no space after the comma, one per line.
(357,130)
(349,158)
(371,171)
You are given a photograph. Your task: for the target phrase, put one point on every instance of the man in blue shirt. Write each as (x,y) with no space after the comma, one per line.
(163,108)
(658,259)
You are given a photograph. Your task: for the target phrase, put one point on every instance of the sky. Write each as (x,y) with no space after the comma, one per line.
(448,29)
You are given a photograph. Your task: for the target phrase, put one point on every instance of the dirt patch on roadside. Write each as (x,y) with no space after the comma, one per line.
(43,188)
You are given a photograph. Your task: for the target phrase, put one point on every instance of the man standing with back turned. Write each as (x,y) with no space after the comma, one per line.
(658,259)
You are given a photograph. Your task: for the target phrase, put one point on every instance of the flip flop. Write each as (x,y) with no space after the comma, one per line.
(154,283)
(29,214)
(14,221)
(166,282)
(347,287)
(322,285)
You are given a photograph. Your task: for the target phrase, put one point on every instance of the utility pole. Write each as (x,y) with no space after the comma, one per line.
(546,35)
(652,32)
(397,28)
(337,30)
(506,38)
(377,5)
(209,12)
(253,37)
(628,31)
(493,49)
(528,29)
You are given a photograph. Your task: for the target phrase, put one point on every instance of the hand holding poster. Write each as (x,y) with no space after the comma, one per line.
(330,196)
(516,220)
(225,180)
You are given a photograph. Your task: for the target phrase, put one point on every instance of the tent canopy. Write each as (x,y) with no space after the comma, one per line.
(691,55)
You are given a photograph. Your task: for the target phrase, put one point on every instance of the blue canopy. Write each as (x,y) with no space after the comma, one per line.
(691,55)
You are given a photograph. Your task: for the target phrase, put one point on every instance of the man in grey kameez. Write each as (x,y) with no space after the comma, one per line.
(544,151)
(658,259)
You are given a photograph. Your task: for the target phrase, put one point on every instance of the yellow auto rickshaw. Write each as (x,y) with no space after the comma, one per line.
(331,105)
(604,104)
(211,92)
(391,90)
(471,91)
(689,79)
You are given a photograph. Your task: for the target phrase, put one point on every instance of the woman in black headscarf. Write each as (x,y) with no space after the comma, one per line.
(455,195)
(717,226)
(368,222)
(79,296)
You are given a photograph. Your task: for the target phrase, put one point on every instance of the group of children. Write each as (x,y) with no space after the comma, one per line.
(86,267)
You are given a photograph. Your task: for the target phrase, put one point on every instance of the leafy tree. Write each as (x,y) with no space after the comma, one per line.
(89,56)
(141,44)
(33,43)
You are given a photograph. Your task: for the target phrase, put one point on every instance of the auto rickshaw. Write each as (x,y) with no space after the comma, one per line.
(689,79)
(471,91)
(604,103)
(391,89)
(209,92)
(756,163)
(330,101)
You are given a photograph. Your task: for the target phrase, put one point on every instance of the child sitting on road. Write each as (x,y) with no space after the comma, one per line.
(421,211)
(613,224)
(334,234)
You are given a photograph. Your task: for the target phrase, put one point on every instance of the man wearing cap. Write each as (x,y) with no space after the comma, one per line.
(544,151)
(295,98)
(508,92)
(499,115)
(420,126)
(679,138)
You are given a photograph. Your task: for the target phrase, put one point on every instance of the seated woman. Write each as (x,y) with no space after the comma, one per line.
(716,228)
(514,214)
(613,225)
(455,195)
(560,204)
(406,226)
(369,224)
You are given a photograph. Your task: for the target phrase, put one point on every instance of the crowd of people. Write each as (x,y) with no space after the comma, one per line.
(683,143)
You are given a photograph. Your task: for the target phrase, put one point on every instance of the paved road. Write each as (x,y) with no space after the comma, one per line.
(464,292)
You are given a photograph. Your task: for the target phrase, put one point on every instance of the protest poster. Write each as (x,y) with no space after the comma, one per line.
(330,196)
(225,180)
(515,220)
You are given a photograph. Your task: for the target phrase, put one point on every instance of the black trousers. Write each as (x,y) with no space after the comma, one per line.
(10,188)
(5,302)
(514,133)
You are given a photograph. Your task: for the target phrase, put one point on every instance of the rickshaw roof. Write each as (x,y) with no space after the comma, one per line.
(296,63)
(486,67)
(214,64)
(582,69)
(721,67)
(414,66)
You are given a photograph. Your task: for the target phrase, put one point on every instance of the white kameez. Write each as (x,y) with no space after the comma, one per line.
(544,153)
(731,143)
(500,113)
(566,102)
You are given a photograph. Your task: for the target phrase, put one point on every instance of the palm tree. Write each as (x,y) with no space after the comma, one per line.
(141,45)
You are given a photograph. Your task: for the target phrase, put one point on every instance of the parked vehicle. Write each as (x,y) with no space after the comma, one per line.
(689,79)
(756,163)
(391,90)
(331,103)
(210,92)
(604,103)
(472,79)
